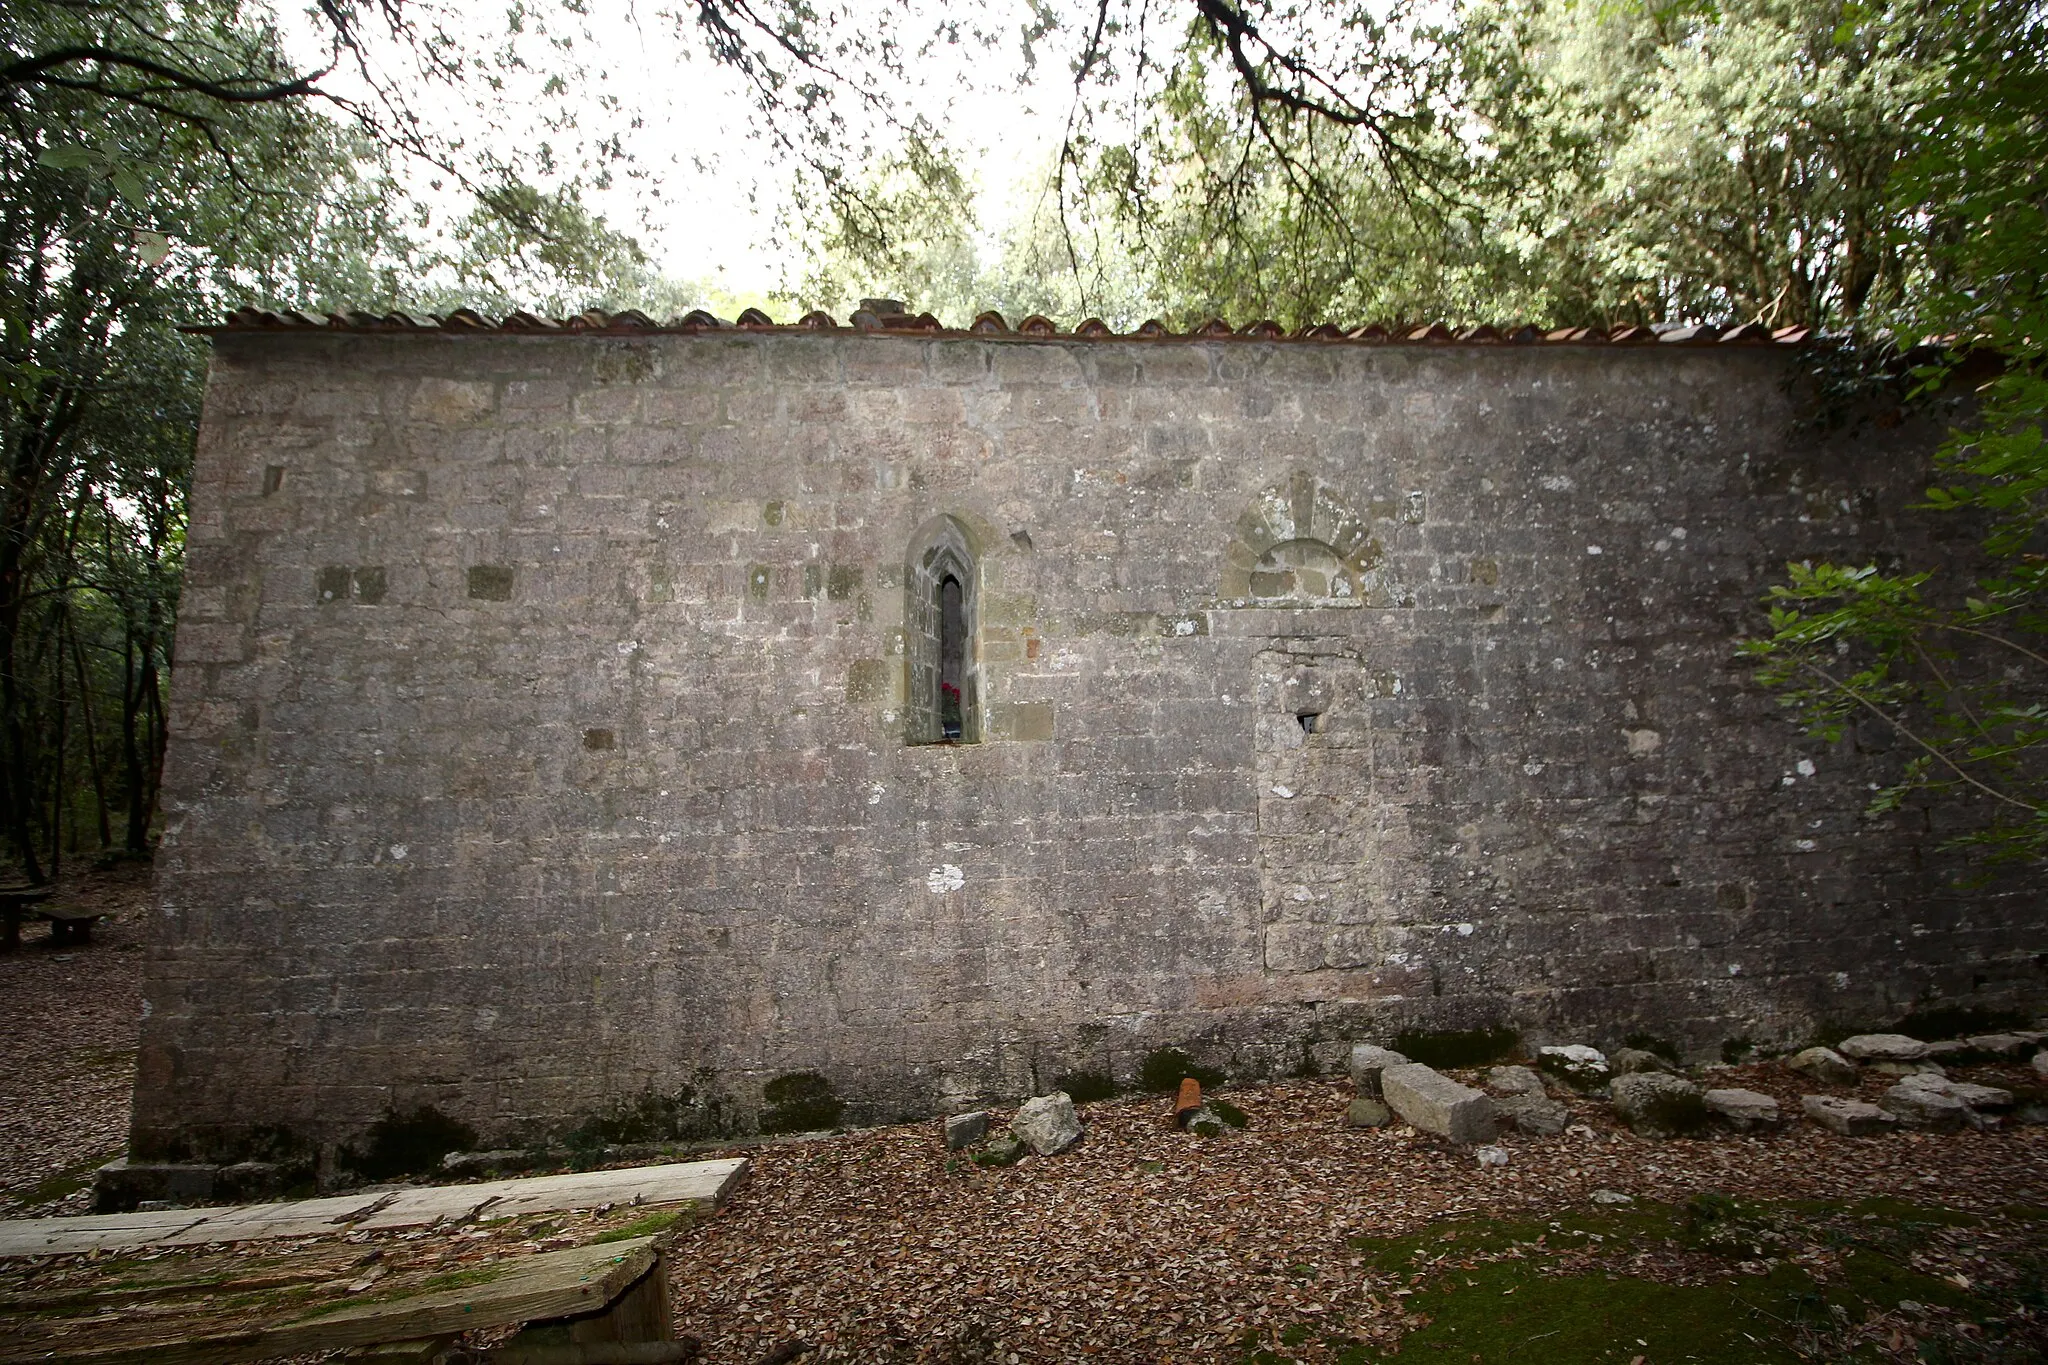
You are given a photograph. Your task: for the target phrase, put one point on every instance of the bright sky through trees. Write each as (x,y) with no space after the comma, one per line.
(705,196)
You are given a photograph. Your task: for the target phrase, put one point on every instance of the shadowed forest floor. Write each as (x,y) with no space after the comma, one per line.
(68,1021)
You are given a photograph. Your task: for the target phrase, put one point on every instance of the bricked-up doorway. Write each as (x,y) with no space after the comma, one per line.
(941,585)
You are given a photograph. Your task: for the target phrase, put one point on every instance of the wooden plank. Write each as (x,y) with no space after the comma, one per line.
(701,1183)
(70,1236)
(704,1184)
(554,1284)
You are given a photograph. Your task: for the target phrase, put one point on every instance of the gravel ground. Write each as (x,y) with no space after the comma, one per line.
(68,1019)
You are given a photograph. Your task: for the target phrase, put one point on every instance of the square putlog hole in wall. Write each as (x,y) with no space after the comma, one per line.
(490,583)
(599,739)
(331,585)
(369,585)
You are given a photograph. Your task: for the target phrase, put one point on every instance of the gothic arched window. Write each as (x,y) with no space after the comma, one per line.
(941,586)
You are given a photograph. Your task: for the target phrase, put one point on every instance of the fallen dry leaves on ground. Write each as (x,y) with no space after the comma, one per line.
(68,1020)
(1148,1244)
(1141,1244)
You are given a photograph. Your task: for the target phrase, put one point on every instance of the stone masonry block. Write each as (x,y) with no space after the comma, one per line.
(1434,1103)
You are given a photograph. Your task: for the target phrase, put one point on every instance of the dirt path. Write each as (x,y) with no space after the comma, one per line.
(68,1018)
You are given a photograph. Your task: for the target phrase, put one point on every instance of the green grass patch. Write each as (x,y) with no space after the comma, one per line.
(1458,1047)
(1086,1087)
(1228,1112)
(641,1227)
(800,1102)
(1169,1066)
(1561,1292)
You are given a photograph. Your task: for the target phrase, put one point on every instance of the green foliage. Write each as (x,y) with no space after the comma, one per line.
(800,1102)
(413,1143)
(1165,1069)
(1458,1047)
(1955,672)
(1675,1115)
(1649,1042)
(1228,1112)
(1002,1150)
(185,171)
(1085,1087)
(1933,1023)
(652,1117)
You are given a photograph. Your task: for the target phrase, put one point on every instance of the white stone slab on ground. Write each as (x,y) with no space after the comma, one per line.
(703,1183)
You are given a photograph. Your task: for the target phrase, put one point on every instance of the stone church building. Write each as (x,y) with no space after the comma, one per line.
(565,712)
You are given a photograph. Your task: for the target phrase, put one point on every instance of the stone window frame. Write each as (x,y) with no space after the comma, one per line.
(942,547)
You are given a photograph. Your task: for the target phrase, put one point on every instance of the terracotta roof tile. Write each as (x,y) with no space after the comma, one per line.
(464,321)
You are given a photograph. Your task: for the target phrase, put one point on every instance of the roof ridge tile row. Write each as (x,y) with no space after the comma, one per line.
(992,324)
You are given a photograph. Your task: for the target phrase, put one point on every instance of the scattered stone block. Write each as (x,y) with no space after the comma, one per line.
(2041,1062)
(1824,1064)
(1006,1149)
(1577,1065)
(1929,1102)
(1205,1122)
(1882,1047)
(1536,1115)
(1850,1118)
(1514,1080)
(1367,1062)
(1368,1113)
(1628,1061)
(1920,1068)
(1612,1198)
(1434,1103)
(1742,1110)
(1048,1124)
(122,1185)
(1983,1098)
(1491,1156)
(1657,1104)
(1949,1050)
(1924,1106)
(482,1163)
(964,1130)
(2002,1045)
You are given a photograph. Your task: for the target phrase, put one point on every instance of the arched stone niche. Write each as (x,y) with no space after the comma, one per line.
(941,634)
(1299,544)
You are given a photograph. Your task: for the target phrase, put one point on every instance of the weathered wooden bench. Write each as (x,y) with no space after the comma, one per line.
(68,923)
(605,1304)
(16,902)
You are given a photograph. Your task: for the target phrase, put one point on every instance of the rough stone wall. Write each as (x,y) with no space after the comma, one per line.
(539,720)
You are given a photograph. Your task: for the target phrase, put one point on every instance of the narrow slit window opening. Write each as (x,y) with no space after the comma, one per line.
(952,656)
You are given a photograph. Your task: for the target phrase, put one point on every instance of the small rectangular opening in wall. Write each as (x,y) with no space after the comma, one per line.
(1311,722)
(599,739)
(490,583)
(273,479)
